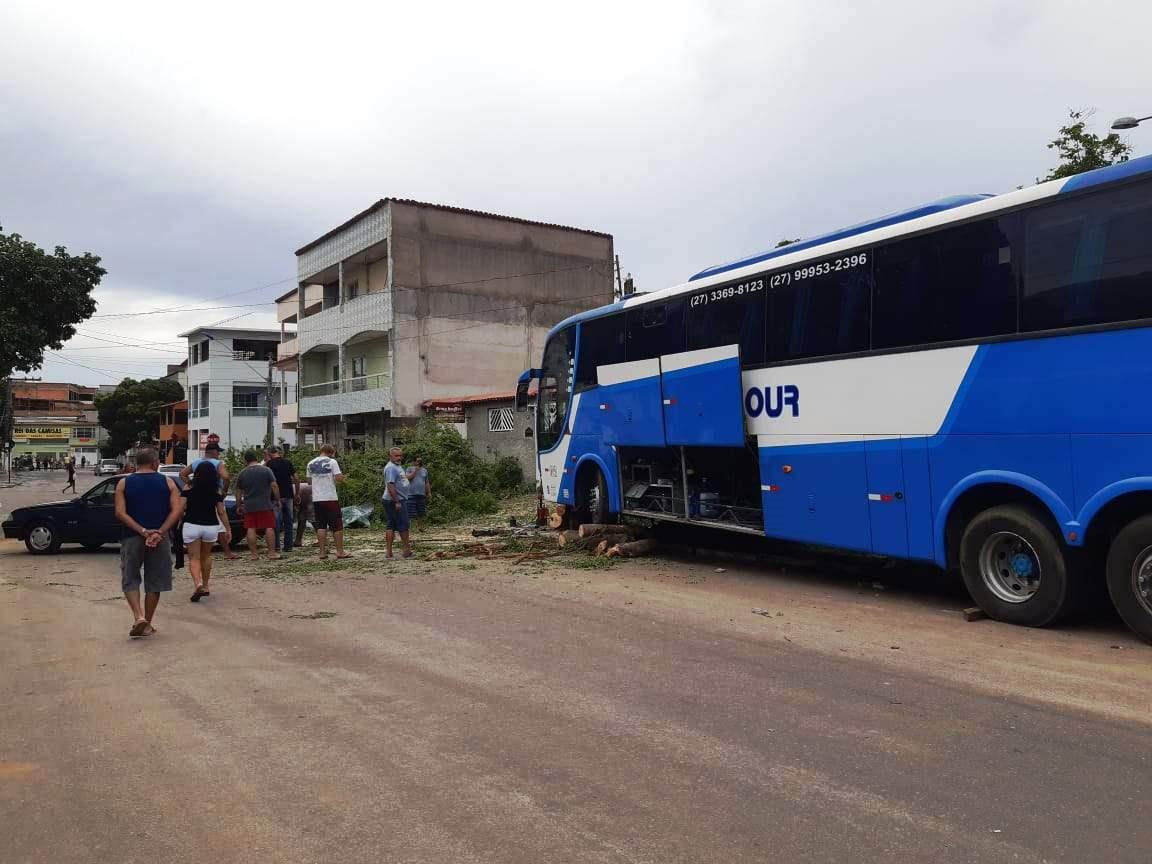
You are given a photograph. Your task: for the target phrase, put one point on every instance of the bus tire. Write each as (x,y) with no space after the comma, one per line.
(591,497)
(1016,570)
(1129,572)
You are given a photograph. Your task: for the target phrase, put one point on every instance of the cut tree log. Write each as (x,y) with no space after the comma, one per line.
(609,541)
(566,538)
(592,529)
(556,519)
(632,550)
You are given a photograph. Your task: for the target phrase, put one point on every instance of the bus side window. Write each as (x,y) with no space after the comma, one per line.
(601,344)
(1089,261)
(821,313)
(655,329)
(950,285)
(727,321)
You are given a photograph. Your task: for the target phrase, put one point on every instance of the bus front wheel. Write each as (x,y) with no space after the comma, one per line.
(1016,569)
(1130,575)
(591,496)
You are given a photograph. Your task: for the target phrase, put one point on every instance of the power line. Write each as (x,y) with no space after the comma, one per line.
(105,372)
(141,345)
(164,309)
(180,310)
(173,309)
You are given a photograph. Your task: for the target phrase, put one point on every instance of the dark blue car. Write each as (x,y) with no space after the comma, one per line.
(89,520)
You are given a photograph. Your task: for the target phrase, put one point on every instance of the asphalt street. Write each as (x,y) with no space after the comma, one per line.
(667,710)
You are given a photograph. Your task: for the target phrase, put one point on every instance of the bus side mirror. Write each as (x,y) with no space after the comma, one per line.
(522,388)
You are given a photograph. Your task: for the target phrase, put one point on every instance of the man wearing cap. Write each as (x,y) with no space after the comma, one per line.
(211,454)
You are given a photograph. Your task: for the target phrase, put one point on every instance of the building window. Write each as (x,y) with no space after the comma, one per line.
(245,400)
(203,350)
(353,290)
(261,350)
(501,419)
(84,432)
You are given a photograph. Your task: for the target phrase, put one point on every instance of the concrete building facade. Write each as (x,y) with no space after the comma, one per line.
(409,301)
(230,391)
(55,421)
(491,425)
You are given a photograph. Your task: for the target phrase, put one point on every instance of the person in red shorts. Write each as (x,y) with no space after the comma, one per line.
(256,500)
(323,475)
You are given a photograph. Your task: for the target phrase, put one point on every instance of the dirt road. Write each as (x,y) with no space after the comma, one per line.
(455,712)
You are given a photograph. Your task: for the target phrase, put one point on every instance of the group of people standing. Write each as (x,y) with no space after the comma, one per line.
(268,497)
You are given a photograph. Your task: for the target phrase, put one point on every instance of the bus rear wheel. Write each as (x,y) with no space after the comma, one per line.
(591,497)
(1016,569)
(1130,575)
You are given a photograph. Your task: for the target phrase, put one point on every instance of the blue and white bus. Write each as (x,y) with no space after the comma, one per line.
(967,383)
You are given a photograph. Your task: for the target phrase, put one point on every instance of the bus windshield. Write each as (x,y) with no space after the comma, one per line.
(555,388)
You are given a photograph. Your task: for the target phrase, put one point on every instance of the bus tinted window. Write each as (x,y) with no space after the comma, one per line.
(601,343)
(655,329)
(958,283)
(555,380)
(1089,260)
(720,316)
(821,310)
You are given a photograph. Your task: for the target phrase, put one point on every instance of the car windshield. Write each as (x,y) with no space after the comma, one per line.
(100,493)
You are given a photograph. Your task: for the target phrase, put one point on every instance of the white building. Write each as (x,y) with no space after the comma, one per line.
(233,390)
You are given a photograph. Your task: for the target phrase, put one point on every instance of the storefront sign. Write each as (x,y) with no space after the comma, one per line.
(38,432)
(447,413)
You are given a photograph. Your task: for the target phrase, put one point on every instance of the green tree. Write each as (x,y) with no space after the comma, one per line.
(131,413)
(787,242)
(42,298)
(1081,150)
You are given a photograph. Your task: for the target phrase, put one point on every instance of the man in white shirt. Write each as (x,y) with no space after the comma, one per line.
(323,475)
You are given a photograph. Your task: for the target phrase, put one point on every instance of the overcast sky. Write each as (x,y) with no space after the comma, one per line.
(195,147)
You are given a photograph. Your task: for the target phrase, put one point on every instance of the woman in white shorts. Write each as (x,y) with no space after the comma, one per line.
(205,525)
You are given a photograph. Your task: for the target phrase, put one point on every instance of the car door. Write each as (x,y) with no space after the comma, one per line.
(96,515)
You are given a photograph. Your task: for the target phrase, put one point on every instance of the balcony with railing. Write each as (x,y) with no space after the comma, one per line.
(346,396)
(340,323)
(249,410)
(288,348)
(287,414)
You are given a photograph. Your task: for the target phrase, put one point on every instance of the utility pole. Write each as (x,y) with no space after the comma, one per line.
(268,439)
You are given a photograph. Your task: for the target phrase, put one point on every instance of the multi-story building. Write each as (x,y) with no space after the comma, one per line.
(407,302)
(55,421)
(233,389)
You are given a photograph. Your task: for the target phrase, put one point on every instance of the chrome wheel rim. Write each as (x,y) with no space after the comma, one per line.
(1010,567)
(1142,579)
(40,537)
(592,501)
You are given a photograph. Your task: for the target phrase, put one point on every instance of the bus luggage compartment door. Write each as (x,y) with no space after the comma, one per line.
(887,508)
(702,397)
(628,404)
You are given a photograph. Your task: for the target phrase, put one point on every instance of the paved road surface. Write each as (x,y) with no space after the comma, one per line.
(493,713)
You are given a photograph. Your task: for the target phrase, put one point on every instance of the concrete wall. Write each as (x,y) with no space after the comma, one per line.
(493,445)
(460,331)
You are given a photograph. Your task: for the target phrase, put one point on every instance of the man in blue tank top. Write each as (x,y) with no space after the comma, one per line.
(148,504)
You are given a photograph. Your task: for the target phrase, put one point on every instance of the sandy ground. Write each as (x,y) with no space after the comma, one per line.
(656,711)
